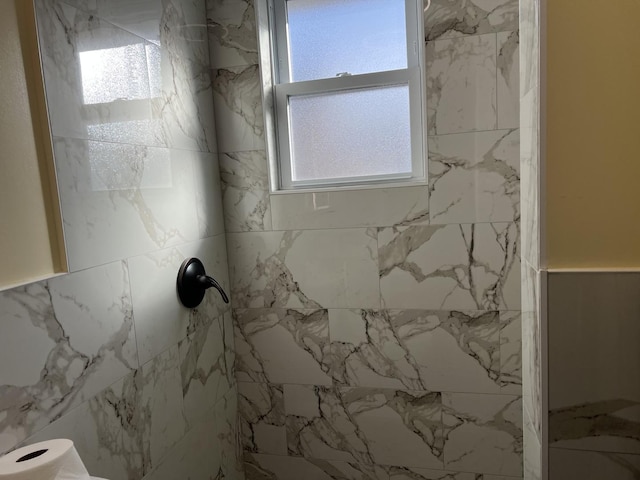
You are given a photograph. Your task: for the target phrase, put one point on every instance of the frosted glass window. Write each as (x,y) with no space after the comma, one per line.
(350,134)
(330,37)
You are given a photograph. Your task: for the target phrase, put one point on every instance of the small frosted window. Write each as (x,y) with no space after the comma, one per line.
(351,134)
(331,37)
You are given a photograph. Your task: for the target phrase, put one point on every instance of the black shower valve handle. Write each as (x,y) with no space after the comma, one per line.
(193,282)
(207,282)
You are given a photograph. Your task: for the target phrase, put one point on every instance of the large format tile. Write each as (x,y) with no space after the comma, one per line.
(532,348)
(272,467)
(161,320)
(424,350)
(466,267)
(206,451)
(106,84)
(529,45)
(304,269)
(483,433)
(232,33)
(530,175)
(122,200)
(282,346)
(208,193)
(565,464)
(62,342)
(206,374)
(245,188)
(594,395)
(455,18)
(262,420)
(370,426)
(185,94)
(461,84)
(508,63)
(531,449)
(376,207)
(90,94)
(238,108)
(126,430)
(474,177)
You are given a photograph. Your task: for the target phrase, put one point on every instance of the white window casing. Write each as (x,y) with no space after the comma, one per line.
(277,90)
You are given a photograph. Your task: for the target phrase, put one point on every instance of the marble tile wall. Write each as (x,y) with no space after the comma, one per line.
(378,331)
(106,355)
(533,273)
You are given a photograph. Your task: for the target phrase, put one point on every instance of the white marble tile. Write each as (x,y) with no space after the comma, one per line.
(160,404)
(207,450)
(461,84)
(104,83)
(282,346)
(423,350)
(304,269)
(261,411)
(594,395)
(230,446)
(508,63)
(204,369)
(592,465)
(161,320)
(511,353)
(474,177)
(184,104)
(532,348)
(529,45)
(370,426)
(122,200)
(140,17)
(245,187)
(125,430)
(195,456)
(532,450)
(208,190)
(376,207)
(455,18)
(62,342)
(531,167)
(483,433)
(90,94)
(277,467)
(467,267)
(232,33)
(238,109)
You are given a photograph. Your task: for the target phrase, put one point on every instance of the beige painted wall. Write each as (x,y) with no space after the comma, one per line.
(30,232)
(593,133)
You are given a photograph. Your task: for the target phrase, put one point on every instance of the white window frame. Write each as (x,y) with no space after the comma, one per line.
(277,89)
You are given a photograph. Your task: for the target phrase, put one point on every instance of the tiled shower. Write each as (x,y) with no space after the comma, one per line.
(372,334)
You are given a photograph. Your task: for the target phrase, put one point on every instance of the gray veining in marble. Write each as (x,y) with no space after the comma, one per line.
(232,33)
(80,328)
(282,346)
(474,177)
(421,350)
(378,426)
(454,18)
(467,267)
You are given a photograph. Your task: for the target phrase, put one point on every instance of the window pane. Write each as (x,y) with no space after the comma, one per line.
(350,134)
(330,37)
